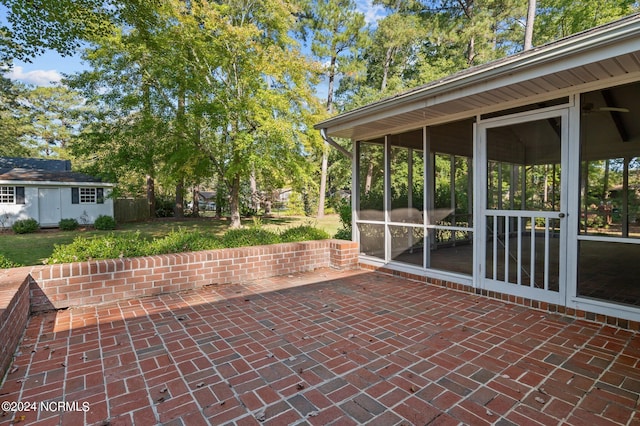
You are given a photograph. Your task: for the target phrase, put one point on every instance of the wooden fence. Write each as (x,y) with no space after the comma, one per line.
(130,210)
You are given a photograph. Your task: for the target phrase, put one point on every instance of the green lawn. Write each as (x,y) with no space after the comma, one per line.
(31,249)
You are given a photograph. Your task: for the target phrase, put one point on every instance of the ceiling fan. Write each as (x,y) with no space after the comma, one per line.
(590,107)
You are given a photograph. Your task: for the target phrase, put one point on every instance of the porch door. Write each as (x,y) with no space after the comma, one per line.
(523,205)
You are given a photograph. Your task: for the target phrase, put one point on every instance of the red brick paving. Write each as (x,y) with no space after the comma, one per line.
(327,347)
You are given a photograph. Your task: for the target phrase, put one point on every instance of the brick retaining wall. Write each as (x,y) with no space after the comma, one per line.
(104,281)
(14,312)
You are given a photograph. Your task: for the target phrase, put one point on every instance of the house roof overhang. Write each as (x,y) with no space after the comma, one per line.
(606,54)
(20,176)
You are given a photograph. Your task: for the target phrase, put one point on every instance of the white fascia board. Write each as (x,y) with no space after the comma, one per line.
(54,183)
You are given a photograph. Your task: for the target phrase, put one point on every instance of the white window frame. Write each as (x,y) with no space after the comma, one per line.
(7,195)
(87,195)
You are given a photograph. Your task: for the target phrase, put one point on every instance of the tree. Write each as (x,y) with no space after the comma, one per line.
(561,18)
(394,42)
(13,116)
(127,135)
(60,25)
(252,99)
(336,36)
(54,114)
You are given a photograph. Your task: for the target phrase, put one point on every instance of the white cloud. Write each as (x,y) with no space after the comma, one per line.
(36,77)
(372,13)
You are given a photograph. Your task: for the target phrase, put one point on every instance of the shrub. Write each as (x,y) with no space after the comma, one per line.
(104,247)
(303,233)
(25,226)
(6,263)
(164,206)
(344,210)
(249,237)
(104,223)
(181,241)
(131,244)
(343,234)
(68,224)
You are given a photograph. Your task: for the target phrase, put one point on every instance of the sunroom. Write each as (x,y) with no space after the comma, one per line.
(518,177)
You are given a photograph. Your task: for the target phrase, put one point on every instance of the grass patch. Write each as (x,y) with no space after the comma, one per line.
(33,249)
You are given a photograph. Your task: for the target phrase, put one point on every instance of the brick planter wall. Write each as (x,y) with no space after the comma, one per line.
(14,312)
(96,282)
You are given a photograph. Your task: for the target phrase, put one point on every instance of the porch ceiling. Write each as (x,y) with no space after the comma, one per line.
(609,54)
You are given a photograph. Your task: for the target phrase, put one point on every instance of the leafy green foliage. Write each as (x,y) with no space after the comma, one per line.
(132,244)
(68,224)
(242,237)
(25,226)
(303,233)
(183,241)
(109,246)
(13,116)
(164,206)
(344,211)
(7,263)
(105,223)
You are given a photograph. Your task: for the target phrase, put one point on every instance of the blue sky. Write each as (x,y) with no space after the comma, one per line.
(49,68)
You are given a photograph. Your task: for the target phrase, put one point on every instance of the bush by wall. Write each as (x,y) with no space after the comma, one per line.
(303,233)
(25,226)
(7,263)
(344,210)
(109,246)
(68,224)
(243,237)
(131,244)
(178,242)
(105,223)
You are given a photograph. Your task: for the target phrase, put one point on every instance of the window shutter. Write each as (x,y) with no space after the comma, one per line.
(20,195)
(75,196)
(100,195)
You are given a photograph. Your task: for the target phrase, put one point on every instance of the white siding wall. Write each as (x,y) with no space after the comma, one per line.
(89,211)
(9,213)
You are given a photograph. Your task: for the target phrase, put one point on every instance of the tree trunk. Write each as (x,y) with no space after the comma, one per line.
(234,202)
(323,181)
(195,205)
(220,190)
(368,179)
(178,207)
(325,155)
(151,196)
(528,30)
(255,197)
(471,54)
(385,69)
(605,181)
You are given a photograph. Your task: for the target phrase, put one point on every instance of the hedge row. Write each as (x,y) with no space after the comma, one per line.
(131,244)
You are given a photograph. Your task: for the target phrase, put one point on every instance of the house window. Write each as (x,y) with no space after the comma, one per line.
(11,194)
(7,194)
(87,195)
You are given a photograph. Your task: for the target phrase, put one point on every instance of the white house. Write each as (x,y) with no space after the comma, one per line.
(515,178)
(48,191)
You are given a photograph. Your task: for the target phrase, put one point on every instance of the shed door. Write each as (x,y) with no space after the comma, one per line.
(49,206)
(523,218)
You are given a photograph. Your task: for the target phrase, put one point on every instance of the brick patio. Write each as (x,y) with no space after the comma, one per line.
(326,347)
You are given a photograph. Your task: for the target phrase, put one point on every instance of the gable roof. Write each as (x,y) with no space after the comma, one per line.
(15,170)
(607,52)
(34,163)
(30,175)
